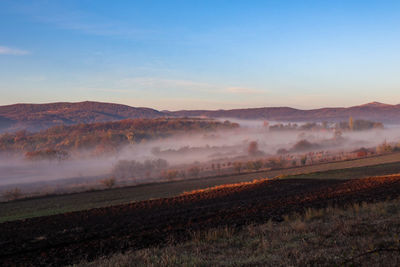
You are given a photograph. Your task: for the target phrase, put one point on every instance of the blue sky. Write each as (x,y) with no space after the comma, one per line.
(200,54)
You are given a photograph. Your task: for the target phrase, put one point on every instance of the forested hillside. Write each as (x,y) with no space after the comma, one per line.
(36,117)
(372,111)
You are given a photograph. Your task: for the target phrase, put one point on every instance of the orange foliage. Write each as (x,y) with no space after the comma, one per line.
(106,136)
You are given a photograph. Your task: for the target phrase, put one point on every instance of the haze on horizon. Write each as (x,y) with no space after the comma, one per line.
(200,55)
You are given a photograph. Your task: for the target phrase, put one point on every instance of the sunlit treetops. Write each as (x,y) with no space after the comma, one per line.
(103,136)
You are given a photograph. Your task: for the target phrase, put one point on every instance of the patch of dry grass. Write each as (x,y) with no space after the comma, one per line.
(361,234)
(224,186)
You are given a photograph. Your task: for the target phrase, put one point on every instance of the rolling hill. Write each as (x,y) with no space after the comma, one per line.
(34,117)
(374,111)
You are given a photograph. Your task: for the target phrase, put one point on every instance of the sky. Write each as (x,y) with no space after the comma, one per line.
(216,54)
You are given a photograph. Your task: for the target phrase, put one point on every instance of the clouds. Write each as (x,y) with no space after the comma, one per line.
(162,83)
(243,90)
(174,92)
(92,25)
(73,16)
(4,50)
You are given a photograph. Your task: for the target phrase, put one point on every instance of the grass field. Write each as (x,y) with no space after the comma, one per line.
(352,173)
(50,205)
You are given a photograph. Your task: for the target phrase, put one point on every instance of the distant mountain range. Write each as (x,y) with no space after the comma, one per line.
(34,117)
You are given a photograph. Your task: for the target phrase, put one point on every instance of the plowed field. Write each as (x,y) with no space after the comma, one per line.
(70,237)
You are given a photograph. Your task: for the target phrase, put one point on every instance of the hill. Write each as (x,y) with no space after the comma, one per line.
(372,111)
(5,123)
(35,117)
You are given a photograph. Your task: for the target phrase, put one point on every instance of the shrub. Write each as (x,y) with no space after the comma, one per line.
(171,174)
(12,194)
(257,164)
(384,148)
(109,183)
(303,160)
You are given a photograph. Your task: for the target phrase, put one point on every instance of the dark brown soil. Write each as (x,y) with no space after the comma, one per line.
(71,237)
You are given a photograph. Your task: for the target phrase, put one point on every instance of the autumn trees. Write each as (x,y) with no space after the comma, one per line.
(358,125)
(109,182)
(350,125)
(105,136)
(253,150)
(48,154)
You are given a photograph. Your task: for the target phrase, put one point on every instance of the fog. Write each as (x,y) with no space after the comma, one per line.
(185,150)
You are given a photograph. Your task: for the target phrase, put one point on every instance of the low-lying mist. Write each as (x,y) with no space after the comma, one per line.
(185,150)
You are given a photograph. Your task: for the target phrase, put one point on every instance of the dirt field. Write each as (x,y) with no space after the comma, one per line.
(71,237)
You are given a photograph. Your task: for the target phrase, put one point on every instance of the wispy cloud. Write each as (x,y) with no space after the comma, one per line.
(161,83)
(4,50)
(68,18)
(106,90)
(243,90)
(78,23)
(69,15)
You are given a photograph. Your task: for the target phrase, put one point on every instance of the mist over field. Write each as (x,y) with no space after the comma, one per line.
(185,150)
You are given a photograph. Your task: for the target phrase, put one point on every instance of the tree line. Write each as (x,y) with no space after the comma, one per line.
(102,137)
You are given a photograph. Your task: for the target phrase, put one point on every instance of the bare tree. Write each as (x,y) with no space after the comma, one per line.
(109,183)
(237,166)
(194,171)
